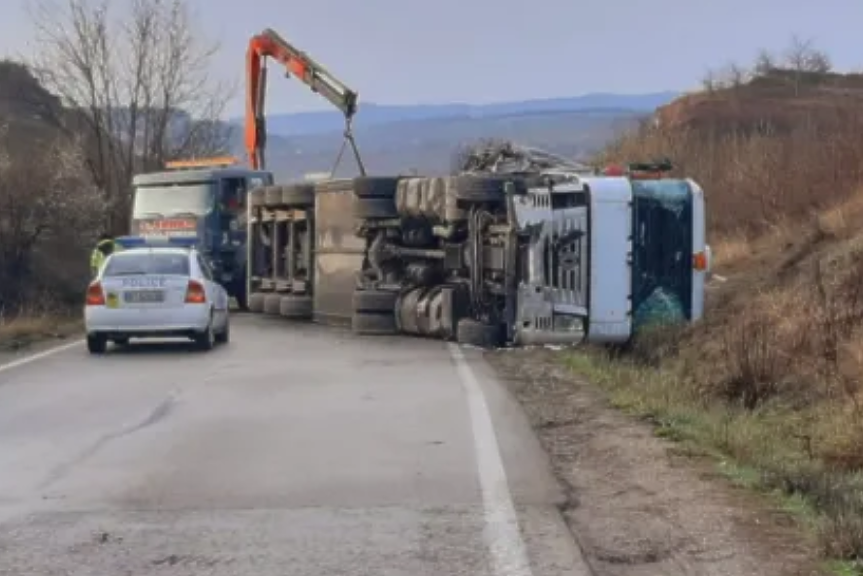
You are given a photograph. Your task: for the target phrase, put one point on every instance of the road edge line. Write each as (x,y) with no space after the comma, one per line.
(502,533)
(39,355)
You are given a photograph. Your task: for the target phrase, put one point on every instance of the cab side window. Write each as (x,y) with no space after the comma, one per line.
(233,193)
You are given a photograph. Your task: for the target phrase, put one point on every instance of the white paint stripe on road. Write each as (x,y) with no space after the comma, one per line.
(502,534)
(38,356)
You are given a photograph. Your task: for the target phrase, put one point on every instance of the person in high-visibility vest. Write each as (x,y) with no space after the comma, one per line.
(104,248)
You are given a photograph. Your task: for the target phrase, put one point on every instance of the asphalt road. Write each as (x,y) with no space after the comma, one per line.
(294,450)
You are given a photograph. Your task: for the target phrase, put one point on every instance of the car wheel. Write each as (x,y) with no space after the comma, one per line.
(224,336)
(206,340)
(96,344)
(475,333)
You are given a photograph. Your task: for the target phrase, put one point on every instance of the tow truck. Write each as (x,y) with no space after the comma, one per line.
(203,201)
(206,200)
(544,253)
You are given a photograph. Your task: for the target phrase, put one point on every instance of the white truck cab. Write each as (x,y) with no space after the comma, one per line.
(609,255)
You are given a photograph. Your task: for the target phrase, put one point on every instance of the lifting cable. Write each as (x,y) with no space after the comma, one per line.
(349,139)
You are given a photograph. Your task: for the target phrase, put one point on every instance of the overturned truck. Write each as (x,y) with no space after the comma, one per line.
(554,256)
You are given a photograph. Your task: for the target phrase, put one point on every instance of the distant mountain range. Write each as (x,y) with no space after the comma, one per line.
(423,138)
(370,114)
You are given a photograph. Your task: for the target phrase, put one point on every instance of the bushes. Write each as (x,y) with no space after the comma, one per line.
(48,211)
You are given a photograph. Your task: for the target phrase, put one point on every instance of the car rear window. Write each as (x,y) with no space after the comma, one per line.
(147,263)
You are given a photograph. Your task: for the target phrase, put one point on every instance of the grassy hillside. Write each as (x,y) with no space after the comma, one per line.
(772,378)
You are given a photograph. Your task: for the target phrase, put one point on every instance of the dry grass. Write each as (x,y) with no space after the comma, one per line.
(773,378)
(30,326)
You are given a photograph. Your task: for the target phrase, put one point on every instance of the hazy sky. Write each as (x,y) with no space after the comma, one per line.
(407,51)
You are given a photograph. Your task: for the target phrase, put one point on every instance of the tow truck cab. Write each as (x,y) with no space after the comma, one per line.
(205,201)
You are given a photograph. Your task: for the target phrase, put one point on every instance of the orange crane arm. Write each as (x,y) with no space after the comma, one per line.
(297,63)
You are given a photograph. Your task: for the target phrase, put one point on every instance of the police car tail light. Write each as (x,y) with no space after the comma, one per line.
(195,293)
(95,295)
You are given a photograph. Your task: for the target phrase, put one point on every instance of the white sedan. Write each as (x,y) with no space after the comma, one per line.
(156,292)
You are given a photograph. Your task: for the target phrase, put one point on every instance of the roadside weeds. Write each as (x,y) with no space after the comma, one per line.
(28,328)
(638,502)
(777,449)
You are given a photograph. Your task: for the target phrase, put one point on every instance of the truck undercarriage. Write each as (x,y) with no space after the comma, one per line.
(482,259)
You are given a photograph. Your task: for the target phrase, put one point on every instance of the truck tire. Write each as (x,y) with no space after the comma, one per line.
(273,196)
(241,293)
(371,208)
(296,307)
(375,301)
(258,197)
(298,195)
(475,333)
(272,303)
(375,186)
(373,324)
(486,188)
(256,302)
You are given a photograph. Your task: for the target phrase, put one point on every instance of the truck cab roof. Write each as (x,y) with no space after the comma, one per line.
(197,175)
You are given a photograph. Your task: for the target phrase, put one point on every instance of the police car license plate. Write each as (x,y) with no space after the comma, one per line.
(144,296)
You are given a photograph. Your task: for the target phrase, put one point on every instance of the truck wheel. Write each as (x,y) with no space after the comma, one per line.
(241,294)
(256,302)
(272,303)
(296,307)
(273,196)
(257,197)
(474,188)
(369,208)
(373,324)
(375,301)
(298,195)
(475,333)
(375,186)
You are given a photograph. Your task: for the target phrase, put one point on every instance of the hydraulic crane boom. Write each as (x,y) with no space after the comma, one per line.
(270,44)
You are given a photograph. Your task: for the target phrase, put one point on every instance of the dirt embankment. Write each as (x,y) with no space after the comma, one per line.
(639,504)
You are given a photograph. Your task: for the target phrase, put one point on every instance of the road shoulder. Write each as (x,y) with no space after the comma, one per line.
(638,504)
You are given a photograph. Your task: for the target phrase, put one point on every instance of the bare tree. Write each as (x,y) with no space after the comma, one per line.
(42,195)
(710,82)
(733,75)
(802,57)
(138,87)
(819,62)
(765,63)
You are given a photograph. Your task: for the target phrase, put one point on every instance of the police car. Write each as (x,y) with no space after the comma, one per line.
(155,291)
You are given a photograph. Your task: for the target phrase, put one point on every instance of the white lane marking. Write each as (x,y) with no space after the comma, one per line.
(502,534)
(38,356)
